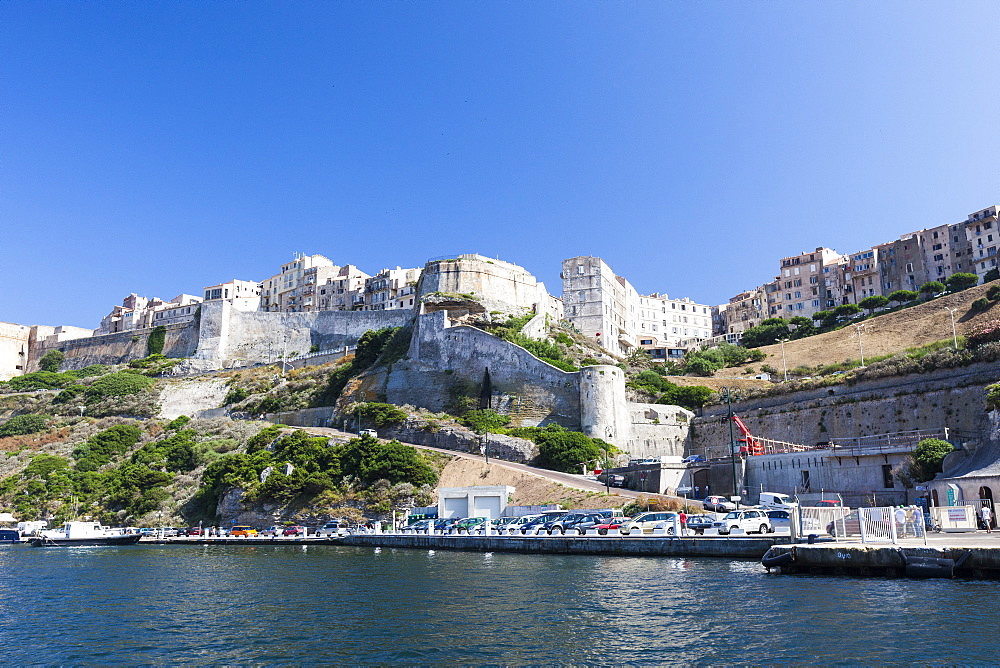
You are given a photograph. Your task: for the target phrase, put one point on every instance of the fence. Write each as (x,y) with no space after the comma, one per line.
(895,440)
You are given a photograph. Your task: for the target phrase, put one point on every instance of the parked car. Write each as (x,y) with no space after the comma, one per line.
(828,503)
(369,432)
(718,504)
(272,531)
(776,501)
(168,532)
(690,459)
(466,524)
(445,523)
(541,521)
(294,530)
(698,523)
(244,531)
(613,523)
(339,527)
(577,523)
(646,522)
(420,526)
(514,524)
(195,531)
(851,525)
(750,520)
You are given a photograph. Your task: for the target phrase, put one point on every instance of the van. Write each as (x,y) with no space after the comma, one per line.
(775,501)
(369,432)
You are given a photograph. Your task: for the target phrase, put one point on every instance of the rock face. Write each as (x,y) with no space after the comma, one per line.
(460,439)
(189,397)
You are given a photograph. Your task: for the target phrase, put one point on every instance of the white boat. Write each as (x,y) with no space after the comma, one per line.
(83,533)
(8,533)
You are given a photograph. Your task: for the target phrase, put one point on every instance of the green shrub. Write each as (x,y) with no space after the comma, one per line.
(235,395)
(51,360)
(370,460)
(928,457)
(589,361)
(40,380)
(562,338)
(961,281)
(263,438)
(103,446)
(379,414)
(118,384)
(178,422)
(484,420)
(70,394)
(903,296)
(981,304)
(21,425)
(157,339)
(931,288)
(993,293)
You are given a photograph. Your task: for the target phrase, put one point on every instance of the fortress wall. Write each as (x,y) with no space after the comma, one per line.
(445,361)
(118,348)
(498,280)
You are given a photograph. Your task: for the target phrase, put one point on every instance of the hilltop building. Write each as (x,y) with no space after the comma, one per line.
(498,285)
(137,312)
(606,307)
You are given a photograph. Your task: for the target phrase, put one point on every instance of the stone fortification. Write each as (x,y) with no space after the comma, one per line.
(500,286)
(230,335)
(119,348)
(952,398)
(658,429)
(448,362)
(13,349)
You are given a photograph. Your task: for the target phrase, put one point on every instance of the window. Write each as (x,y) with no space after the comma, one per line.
(887,476)
(579,269)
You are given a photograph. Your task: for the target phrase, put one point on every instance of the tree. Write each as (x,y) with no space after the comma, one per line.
(21,425)
(766,333)
(846,310)
(927,458)
(931,288)
(961,281)
(903,296)
(873,302)
(51,360)
(992,275)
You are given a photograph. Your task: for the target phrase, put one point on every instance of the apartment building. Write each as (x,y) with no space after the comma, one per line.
(800,288)
(745,310)
(391,289)
(983,236)
(288,291)
(234,289)
(606,307)
(137,312)
(342,291)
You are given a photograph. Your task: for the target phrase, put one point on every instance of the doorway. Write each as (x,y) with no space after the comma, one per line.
(986,495)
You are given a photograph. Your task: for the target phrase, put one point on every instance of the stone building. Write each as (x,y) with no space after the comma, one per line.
(340,291)
(287,291)
(391,289)
(13,349)
(500,285)
(137,312)
(800,288)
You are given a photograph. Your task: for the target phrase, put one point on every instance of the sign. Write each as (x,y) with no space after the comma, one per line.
(951,495)
(956,515)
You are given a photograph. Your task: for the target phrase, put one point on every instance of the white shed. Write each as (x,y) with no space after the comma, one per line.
(479,501)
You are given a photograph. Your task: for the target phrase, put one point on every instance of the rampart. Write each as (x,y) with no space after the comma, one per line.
(118,348)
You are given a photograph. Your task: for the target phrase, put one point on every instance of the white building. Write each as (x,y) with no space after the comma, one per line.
(288,291)
(606,307)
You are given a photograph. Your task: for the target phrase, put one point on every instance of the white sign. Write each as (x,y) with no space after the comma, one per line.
(956,514)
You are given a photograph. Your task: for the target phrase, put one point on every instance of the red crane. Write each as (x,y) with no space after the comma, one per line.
(751,446)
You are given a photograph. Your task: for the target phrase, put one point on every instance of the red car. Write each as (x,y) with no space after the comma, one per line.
(293,530)
(194,531)
(613,523)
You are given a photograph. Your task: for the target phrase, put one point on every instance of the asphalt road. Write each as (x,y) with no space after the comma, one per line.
(567,479)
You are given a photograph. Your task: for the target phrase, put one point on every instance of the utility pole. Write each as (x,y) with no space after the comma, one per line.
(784,365)
(732,434)
(861,348)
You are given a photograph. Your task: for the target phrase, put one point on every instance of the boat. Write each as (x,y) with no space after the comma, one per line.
(83,534)
(8,534)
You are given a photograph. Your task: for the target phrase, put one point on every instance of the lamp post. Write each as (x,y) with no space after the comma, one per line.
(861,348)
(732,434)
(784,365)
(954,335)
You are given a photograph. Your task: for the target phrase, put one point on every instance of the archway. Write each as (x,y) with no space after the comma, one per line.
(986,494)
(934,499)
(700,481)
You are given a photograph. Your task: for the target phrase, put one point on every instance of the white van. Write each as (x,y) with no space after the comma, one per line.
(775,501)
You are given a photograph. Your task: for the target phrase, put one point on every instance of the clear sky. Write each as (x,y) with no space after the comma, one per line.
(159,147)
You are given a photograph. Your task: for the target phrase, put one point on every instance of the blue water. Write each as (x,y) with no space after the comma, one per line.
(322,604)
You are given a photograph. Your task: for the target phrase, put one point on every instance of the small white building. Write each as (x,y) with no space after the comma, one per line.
(479,501)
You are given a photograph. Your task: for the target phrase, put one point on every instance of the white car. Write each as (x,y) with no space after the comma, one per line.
(751,520)
(333,528)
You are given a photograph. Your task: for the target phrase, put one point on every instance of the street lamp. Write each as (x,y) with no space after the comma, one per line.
(861,348)
(732,434)
(954,335)
(784,365)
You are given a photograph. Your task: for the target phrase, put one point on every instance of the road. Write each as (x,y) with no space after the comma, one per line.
(567,479)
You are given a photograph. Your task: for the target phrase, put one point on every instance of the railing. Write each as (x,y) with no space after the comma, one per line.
(900,439)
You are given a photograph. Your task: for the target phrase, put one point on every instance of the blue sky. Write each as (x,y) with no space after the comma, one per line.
(158,147)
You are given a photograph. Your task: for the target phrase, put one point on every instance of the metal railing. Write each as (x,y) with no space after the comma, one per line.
(895,440)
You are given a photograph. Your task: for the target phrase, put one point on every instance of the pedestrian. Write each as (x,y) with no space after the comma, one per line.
(684,522)
(909,528)
(697,492)
(987,517)
(900,515)
(918,520)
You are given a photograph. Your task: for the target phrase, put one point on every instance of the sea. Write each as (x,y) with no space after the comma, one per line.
(301,604)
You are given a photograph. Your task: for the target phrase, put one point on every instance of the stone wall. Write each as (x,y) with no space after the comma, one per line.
(501,284)
(229,334)
(952,398)
(118,348)
(13,349)
(447,362)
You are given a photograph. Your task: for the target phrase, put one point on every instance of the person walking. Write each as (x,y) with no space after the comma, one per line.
(684,522)
(987,515)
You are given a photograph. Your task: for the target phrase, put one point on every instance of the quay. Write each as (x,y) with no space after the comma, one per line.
(968,556)
(735,547)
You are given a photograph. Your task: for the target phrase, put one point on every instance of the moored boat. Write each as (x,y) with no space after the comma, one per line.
(83,534)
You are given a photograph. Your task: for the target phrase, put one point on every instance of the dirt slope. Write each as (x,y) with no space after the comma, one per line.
(531,489)
(889,333)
